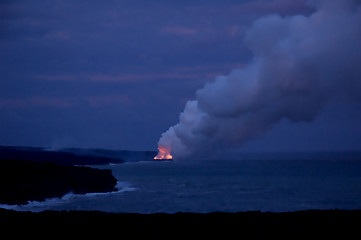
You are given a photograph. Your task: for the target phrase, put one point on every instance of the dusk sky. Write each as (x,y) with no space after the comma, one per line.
(117,74)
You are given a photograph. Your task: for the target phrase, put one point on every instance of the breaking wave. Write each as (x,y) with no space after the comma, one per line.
(36,206)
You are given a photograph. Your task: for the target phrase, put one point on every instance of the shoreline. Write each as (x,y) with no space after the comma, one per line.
(22,181)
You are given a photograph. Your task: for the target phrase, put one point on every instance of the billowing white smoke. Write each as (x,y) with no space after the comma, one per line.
(300,63)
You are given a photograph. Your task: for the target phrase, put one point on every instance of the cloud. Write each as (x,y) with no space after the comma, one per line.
(182,73)
(35,101)
(285,7)
(300,64)
(65,52)
(99,101)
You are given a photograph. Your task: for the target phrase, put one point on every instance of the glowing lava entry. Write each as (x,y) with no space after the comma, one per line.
(163,153)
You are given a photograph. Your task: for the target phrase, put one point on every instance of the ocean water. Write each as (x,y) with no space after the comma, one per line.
(221,185)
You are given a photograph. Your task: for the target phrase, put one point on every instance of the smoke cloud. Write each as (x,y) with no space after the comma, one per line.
(300,64)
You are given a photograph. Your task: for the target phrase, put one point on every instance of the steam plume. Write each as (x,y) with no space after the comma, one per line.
(300,63)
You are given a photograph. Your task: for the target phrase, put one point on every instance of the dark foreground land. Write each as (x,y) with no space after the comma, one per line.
(23,181)
(34,174)
(244,225)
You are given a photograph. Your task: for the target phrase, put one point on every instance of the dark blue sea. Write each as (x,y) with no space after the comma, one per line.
(222,185)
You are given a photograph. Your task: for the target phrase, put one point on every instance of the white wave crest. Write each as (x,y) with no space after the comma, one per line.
(36,206)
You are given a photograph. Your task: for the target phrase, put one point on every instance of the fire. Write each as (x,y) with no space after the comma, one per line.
(163,153)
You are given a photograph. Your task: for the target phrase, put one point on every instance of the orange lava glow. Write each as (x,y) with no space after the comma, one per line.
(163,153)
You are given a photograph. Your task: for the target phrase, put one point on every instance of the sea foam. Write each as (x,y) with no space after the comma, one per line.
(37,206)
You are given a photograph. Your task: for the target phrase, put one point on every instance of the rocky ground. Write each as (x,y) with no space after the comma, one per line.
(315,224)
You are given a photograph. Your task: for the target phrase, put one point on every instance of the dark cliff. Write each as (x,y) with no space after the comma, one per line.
(22,181)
